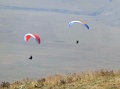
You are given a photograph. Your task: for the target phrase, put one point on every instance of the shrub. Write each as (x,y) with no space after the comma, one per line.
(5,84)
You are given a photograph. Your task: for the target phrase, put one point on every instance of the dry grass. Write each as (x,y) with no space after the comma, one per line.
(102,79)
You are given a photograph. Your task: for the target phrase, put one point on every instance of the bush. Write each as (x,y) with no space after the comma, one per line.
(5,84)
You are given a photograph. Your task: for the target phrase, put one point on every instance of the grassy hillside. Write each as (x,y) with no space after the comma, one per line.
(102,79)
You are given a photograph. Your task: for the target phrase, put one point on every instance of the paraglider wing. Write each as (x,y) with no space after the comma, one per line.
(72,22)
(83,23)
(86,26)
(35,36)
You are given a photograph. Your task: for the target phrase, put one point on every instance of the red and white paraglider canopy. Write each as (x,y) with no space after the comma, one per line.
(29,35)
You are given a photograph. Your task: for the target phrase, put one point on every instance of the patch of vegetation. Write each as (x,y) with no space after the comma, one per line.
(102,79)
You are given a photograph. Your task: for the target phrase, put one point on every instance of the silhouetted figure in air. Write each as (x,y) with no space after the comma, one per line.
(77,42)
(30,57)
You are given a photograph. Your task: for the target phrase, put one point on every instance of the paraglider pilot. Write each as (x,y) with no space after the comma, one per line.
(77,41)
(30,57)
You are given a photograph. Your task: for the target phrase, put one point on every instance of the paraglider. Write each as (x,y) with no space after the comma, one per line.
(83,23)
(29,35)
(79,22)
